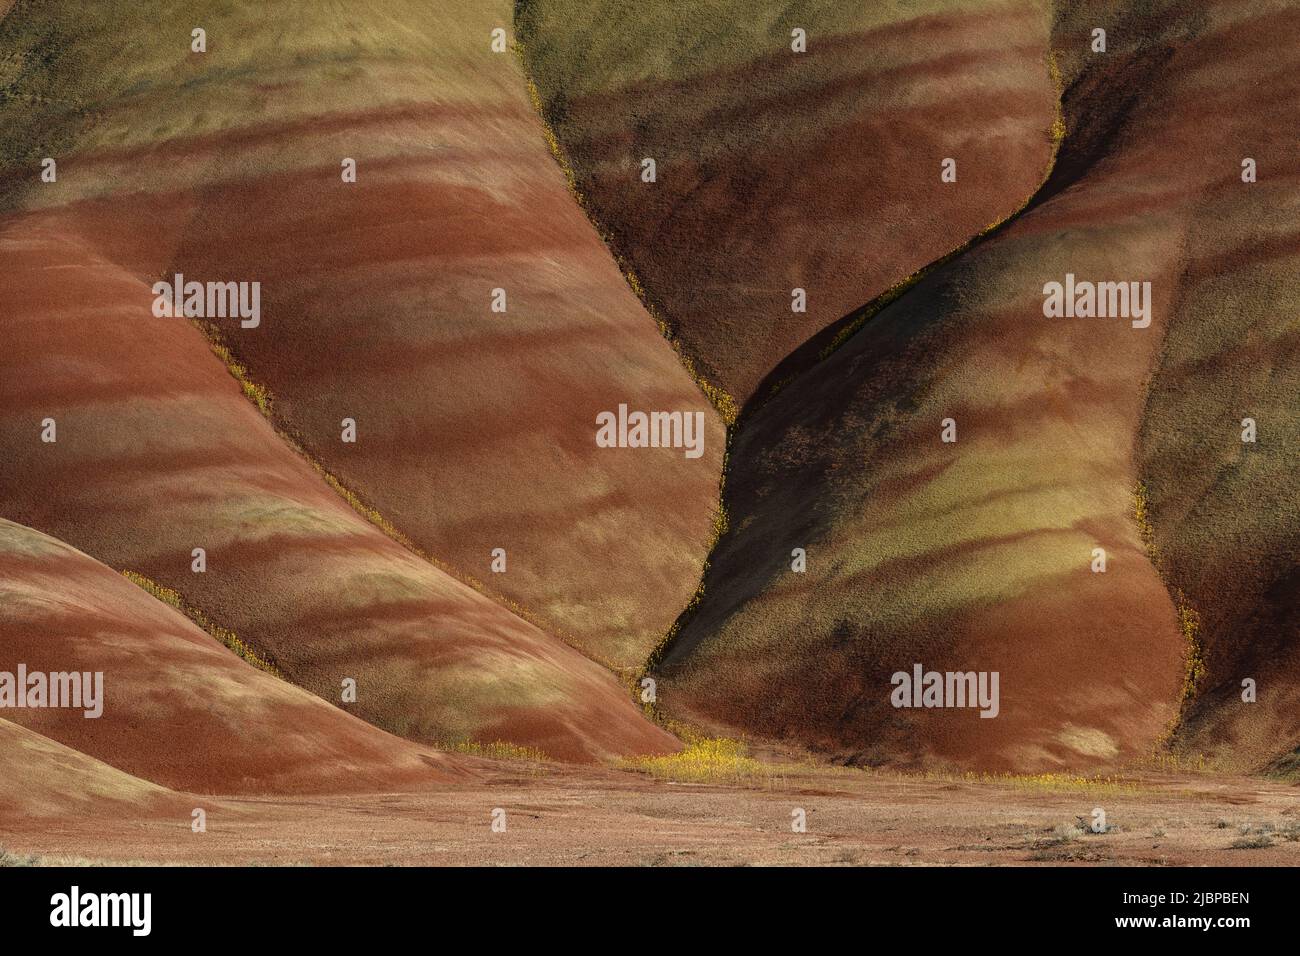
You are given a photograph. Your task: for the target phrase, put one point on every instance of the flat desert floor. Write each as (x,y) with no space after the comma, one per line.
(558,814)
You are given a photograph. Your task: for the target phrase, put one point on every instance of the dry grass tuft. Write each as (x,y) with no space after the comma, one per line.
(224,635)
(704,760)
(497,750)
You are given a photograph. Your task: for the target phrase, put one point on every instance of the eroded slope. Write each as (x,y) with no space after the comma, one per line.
(475,428)
(778,170)
(157,453)
(173,706)
(977,555)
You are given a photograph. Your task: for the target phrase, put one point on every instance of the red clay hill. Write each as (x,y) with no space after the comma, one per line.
(454,263)
(795,147)
(1067,435)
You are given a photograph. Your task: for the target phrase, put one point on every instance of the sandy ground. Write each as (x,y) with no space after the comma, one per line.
(559,815)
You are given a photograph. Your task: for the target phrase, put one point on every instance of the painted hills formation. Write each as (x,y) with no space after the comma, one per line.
(1071,434)
(171,161)
(836,260)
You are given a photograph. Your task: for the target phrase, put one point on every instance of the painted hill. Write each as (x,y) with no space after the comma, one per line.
(42,779)
(157,452)
(775,169)
(475,429)
(1225,514)
(226,165)
(393,471)
(978,554)
(175,707)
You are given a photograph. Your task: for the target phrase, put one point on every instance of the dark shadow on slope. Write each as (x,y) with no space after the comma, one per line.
(1096,107)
